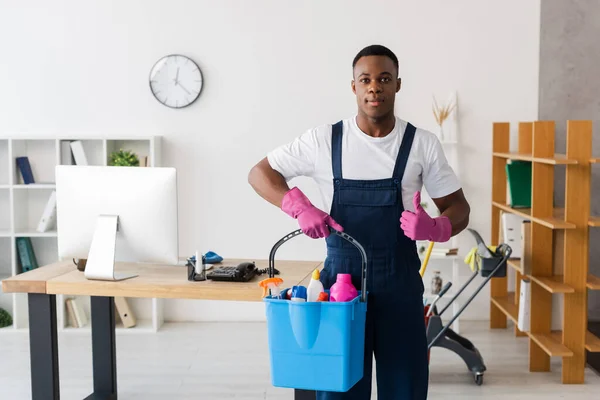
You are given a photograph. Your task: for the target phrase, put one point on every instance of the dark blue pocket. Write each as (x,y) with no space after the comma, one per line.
(372,197)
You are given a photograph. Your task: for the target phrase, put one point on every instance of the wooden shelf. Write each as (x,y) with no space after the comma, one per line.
(593,282)
(558,159)
(549,253)
(553,223)
(551,343)
(553,284)
(514,263)
(507,305)
(592,342)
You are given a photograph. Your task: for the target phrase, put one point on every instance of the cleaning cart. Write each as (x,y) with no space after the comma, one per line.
(316,345)
(489,264)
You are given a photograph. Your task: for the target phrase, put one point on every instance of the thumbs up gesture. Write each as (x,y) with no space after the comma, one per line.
(418,225)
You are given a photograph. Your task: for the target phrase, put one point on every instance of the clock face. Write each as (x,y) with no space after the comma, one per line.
(175,81)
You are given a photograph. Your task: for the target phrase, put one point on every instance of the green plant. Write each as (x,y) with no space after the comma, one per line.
(124,158)
(5,318)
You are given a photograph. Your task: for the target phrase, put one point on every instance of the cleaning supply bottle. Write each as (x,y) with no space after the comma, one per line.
(271,284)
(315,286)
(323,296)
(343,289)
(298,294)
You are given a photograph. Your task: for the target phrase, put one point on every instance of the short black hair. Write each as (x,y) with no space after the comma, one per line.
(376,50)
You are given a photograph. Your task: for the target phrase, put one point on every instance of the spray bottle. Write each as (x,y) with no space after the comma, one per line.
(271,284)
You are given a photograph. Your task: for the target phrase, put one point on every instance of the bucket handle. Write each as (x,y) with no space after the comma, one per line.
(363,291)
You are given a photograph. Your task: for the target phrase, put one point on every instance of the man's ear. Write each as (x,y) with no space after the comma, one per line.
(353,86)
(398,84)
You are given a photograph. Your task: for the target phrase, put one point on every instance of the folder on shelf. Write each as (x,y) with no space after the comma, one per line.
(66,155)
(526,248)
(124,311)
(75,313)
(523,320)
(444,251)
(518,174)
(26,254)
(25,168)
(78,152)
(71,313)
(511,232)
(48,219)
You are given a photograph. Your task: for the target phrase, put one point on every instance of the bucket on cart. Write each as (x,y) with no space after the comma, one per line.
(317,345)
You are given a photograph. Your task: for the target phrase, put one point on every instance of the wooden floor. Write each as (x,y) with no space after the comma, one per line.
(230,360)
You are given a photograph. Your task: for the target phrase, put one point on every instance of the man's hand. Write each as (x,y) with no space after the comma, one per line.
(314,223)
(419,225)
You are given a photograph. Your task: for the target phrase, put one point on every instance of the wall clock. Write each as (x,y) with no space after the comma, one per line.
(176,81)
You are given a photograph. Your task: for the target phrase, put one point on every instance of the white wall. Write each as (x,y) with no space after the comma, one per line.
(272,69)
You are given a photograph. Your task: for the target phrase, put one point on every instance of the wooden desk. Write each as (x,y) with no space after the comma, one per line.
(154,281)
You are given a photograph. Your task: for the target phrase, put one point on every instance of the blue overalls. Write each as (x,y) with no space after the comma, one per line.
(369,211)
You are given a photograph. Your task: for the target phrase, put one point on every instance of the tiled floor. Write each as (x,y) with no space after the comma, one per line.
(230,360)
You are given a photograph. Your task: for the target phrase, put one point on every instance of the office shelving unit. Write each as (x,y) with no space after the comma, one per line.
(451,146)
(454,277)
(571,279)
(21,206)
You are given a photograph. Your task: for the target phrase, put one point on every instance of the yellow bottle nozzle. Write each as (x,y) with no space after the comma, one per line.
(316,275)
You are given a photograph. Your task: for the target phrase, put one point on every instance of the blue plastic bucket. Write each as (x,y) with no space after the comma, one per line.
(317,345)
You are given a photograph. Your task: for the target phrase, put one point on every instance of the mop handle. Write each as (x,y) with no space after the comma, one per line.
(426,260)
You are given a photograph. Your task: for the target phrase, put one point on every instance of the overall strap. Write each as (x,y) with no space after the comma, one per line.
(336,149)
(403,153)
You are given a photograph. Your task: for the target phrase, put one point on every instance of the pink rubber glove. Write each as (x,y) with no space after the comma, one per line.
(419,225)
(313,222)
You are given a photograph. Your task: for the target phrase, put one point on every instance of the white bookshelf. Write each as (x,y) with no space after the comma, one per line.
(449,267)
(21,207)
(452,268)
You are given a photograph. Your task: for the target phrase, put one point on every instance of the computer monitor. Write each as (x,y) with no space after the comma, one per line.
(108,214)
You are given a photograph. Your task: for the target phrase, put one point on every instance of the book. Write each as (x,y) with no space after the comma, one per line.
(523,319)
(512,232)
(25,168)
(518,174)
(78,152)
(525,248)
(124,312)
(79,313)
(48,219)
(441,251)
(71,313)
(26,254)
(66,155)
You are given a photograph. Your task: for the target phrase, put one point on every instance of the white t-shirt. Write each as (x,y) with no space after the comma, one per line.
(367,158)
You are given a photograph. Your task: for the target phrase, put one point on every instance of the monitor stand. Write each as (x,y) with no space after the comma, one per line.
(101,258)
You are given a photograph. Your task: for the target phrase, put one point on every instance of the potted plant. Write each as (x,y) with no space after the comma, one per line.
(124,158)
(5,318)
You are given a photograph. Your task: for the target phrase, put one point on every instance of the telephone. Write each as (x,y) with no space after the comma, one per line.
(243,272)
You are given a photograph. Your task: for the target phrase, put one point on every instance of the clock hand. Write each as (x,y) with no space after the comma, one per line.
(177,76)
(187,91)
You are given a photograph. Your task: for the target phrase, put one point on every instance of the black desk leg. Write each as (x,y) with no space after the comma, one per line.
(304,394)
(43,346)
(104,350)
